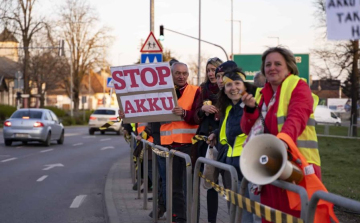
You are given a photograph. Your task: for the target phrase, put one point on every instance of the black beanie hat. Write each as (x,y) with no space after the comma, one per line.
(234,75)
(226,66)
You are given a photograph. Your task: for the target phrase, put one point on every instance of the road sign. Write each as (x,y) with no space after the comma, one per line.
(151,58)
(18,75)
(109,82)
(251,64)
(18,84)
(151,45)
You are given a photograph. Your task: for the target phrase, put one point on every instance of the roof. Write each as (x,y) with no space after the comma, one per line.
(328,93)
(7,36)
(96,82)
(325,84)
(8,68)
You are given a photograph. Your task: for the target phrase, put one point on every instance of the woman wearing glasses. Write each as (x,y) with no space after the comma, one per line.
(208,120)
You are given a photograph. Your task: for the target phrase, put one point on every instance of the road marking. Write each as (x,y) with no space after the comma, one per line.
(42,178)
(105,139)
(77,201)
(50,166)
(72,134)
(7,160)
(107,147)
(89,137)
(18,147)
(47,150)
(78,144)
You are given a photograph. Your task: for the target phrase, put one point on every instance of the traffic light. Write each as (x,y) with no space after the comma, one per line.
(18,95)
(161,32)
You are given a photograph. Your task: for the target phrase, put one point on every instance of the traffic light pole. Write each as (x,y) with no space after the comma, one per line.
(227,58)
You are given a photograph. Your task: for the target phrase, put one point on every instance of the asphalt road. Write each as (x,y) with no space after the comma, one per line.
(60,183)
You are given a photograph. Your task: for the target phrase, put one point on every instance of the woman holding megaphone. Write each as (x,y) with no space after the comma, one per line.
(285,108)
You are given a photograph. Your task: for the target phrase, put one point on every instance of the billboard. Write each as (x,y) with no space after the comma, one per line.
(251,64)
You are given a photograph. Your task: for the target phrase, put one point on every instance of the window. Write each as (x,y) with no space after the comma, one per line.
(47,116)
(104,112)
(54,117)
(27,114)
(333,115)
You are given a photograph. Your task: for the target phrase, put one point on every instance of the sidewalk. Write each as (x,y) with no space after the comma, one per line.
(122,205)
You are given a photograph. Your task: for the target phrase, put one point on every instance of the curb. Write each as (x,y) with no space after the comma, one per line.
(112,215)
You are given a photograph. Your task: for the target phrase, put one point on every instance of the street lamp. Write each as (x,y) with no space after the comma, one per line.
(199,49)
(71,84)
(275,37)
(239,34)
(232,19)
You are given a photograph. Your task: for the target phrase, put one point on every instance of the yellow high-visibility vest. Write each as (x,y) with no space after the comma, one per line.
(307,142)
(239,140)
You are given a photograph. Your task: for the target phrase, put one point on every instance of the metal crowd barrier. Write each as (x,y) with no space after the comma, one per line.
(307,208)
(223,166)
(169,166)
(333,198)
(242,202)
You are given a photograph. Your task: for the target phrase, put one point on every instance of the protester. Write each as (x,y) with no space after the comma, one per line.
(207,117)
(284,106)
(177,135)
(181,133)
(220,70)
(230,133)
(259,79)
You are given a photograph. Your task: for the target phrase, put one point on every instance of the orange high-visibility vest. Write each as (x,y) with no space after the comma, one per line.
(310,182)
(180,131)
(141,127)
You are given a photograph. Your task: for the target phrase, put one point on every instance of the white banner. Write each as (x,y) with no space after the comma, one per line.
(343,19)
(145,92)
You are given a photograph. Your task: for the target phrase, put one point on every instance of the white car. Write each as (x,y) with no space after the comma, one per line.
(324,115)
(103,115)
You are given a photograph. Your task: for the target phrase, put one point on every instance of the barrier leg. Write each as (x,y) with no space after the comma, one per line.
(146,178)
(169,168)
(138,163)
(155,181)
(243,187)
(188,186)
(195,190)
(132,165)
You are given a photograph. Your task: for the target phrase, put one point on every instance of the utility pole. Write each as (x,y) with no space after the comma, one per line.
(199,49)
(232,30)
(152,16)
(354,86)
(71,84)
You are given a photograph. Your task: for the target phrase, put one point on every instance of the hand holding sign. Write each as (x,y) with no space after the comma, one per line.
(145,92)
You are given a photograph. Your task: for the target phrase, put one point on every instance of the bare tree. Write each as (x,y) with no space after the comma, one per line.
(193,68)
(46,71)
(87,47)
(338,57)
(20,15)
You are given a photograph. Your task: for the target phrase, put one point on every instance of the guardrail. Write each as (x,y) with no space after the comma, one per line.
(333,198)
(307,208)
(223,166)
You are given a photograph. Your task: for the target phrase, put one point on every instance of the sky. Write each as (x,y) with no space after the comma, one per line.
(292,22)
